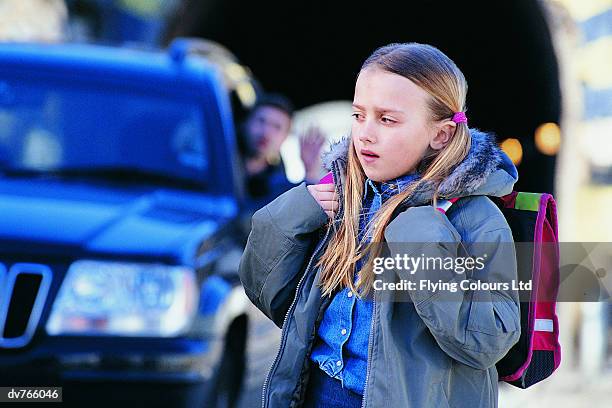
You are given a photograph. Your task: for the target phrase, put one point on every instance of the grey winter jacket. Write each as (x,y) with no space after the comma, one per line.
(424,353)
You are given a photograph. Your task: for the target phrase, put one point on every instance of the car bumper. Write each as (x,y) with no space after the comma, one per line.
(169,374)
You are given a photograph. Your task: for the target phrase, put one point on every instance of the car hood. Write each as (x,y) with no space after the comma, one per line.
(117,220)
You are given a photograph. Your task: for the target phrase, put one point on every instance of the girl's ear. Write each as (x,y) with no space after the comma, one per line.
(445,132)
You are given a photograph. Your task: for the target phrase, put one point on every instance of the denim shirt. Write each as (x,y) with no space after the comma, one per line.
(341,346)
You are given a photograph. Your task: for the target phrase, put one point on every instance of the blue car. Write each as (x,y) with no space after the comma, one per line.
(121,226)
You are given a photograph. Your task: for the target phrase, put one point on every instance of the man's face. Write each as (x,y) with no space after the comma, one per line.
(267,129)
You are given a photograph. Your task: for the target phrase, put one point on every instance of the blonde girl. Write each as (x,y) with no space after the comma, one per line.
(308,264)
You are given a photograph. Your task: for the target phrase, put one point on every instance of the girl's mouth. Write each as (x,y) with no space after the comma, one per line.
(369,156)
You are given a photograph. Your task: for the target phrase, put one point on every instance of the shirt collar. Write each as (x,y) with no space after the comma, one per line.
(390,187)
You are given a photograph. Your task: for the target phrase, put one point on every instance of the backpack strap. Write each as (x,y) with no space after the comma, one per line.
(327,179)
(444,205)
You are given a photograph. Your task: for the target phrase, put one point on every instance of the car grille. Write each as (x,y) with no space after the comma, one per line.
(23,291)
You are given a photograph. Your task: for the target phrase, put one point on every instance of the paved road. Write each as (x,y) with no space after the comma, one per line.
(259,356)
(566,389)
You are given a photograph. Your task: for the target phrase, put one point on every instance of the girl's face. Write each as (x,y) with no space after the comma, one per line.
(392,129)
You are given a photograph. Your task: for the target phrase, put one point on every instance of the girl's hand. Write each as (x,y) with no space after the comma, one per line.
(326,196)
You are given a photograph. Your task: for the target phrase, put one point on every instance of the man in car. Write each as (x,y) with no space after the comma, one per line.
(263,133)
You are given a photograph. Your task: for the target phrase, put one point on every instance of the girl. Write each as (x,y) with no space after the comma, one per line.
(308,261)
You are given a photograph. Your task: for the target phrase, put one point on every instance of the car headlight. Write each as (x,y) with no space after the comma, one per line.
(125,299)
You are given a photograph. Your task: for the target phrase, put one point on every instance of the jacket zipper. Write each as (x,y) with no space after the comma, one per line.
(336,176)
(370,346)
(284,333)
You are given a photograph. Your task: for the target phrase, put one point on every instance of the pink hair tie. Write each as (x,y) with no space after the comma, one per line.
(459,117)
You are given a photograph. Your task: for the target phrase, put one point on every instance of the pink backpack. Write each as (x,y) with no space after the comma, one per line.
(532,218)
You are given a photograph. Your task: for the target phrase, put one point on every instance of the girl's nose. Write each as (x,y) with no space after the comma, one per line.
(367,134)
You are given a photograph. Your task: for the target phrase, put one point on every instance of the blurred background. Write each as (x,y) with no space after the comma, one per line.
(539,76)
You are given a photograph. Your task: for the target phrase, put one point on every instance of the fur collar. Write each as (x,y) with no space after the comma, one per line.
(485,170)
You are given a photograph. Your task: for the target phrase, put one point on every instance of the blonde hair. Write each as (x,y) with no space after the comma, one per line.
(430,69)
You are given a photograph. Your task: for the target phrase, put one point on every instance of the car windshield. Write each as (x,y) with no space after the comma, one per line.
(68,128)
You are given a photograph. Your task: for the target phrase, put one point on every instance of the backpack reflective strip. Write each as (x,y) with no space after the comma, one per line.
(543,325)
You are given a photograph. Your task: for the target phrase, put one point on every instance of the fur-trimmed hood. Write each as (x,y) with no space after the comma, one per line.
(486,170)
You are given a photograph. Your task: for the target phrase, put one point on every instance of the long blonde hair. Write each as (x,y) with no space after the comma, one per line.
(430,69)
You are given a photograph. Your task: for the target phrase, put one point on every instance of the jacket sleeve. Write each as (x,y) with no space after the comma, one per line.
(474,327)
(279,245)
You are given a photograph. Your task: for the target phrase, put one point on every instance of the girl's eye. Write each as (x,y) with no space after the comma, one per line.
(357,116)
(385,119)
